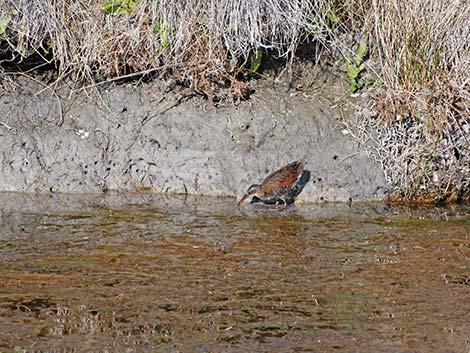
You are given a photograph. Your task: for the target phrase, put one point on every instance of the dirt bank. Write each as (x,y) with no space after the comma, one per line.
(139,138)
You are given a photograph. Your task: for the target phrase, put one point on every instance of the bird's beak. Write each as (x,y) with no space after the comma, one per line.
(242,199)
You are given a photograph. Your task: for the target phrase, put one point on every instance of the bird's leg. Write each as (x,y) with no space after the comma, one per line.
(283,195)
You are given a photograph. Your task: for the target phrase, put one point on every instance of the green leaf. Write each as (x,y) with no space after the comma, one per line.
(4,20)
(362,67)
(361,51)
(332,16)
(131,5)
(351,69)
(360,83)
(113,7)
(19,48)
(349,294)
(162,29)
(256,60)
(116,7)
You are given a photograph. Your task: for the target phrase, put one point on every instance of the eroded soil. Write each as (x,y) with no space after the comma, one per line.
(133,138)
(139,272)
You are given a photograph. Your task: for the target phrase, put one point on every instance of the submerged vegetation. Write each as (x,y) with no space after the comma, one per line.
(419,51)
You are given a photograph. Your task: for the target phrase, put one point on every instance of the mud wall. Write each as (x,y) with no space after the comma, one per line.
(129,138)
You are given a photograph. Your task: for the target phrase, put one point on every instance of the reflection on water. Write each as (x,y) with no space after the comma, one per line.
(139,272)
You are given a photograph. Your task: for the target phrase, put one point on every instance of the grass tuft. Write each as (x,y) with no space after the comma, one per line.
(204,44)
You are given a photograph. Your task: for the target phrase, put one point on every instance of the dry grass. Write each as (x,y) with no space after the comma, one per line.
(424,49)
(420,165)
(202,43)
(423,42)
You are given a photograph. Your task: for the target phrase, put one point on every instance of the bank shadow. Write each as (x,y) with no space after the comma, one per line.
(295,190)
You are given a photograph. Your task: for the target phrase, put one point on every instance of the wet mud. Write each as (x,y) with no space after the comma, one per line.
(197,274)
(140,138)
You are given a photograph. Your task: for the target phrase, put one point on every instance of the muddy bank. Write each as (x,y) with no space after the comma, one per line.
(142,138)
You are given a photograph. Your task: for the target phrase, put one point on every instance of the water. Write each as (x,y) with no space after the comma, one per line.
(137,273)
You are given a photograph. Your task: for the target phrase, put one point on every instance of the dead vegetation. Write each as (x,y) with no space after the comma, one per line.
(419,52)
(421,131)
(205,45)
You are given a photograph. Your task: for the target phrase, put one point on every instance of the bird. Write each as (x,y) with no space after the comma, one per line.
(277,186)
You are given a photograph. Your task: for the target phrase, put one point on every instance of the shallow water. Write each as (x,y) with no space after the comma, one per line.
(173,274)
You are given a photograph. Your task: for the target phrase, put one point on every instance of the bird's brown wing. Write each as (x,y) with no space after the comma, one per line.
(282,178)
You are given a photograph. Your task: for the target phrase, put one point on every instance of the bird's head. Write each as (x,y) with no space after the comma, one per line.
(252,191)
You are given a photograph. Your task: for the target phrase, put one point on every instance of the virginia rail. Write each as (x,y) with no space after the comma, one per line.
(277,186)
